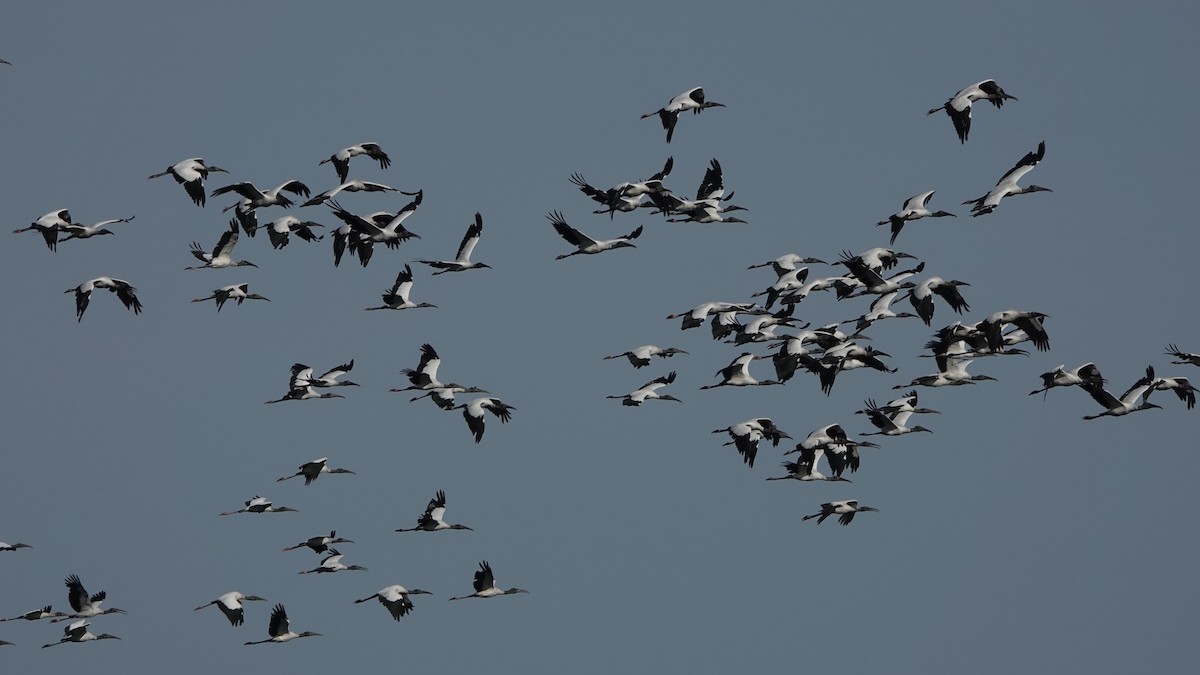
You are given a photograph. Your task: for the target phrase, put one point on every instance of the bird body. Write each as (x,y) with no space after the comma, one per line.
(958,107)
(125,291)
(737,374)
(313,470)
(238,292)
(692,99)
(583,243)
(191,173)
(397,296)
(473,412)
(395,599)
(334,563)
(434,517)
(485,585)
(259,505)
(222,254)
(280,629)
(230,605)
(320,544)
(914,209)
(649,391)
(744,436)
(640,356)
(85,606)
(462,260)
(78,632)
(1007,185)
(844,509)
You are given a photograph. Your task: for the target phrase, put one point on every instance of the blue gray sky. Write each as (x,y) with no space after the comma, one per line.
(1015,537)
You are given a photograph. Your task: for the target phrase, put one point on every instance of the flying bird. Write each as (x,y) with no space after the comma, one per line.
(462,260)
(692,99)
(5,546)
(473,412)
(745,436)
(126,293)
(1077,376)
(958,107)
(238,292)
(313,470)
(334,564)
(341,158)
(1136,398)
(78,632)
(844,509)
(254,198)
(190,173)
(434,517)
(395,599)
(281,229)
(230,605)
(279,628)
(1182,358)
(355,185)
(259,505)
(320,544)
(1007,185)
(36,615)
(397,296)
(49,225)
(85,606)
(914,209)
(585,244)
(222,254)
(649,391)
(640,356)
(485,585)
(921,296)
(76,231)
(737,373)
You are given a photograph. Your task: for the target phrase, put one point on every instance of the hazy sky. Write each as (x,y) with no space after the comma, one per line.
(1014,538)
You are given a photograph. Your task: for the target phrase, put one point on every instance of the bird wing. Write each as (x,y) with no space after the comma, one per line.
(470,239)
(572,235)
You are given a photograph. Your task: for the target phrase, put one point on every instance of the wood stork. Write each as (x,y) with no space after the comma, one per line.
(36,615)
(1030,322)
(648,391)
(395,599)
(346,237)
(474,410)
(254,198)
(238,292)
(626,196)
(882,258)
(331,377)
(954,374)
(1061,377)
(872,281)
(485,585)
(1007,185)
(1182,358)
(805,469)
(640,356)
(230,605)
(958,107)
(222,254)
(76,231)
(390,234)
(914,209)
(762,327)
(744,436)
(125,291)
(612,199)
(921,296)
(905,403)
(788,281)
(839,448)
(304,394)
(281,229)
(279,628)
(434,517)
(6,642)
(890,424)
(302,386)
(190,173)
(5,546)
(259,505)
(737,373)
(355,185)
(1136,398)
(695,317)
(709,205)
(341,158)
(333,563)
(584,244)
(787,262)
(443,397)
(462,260)
(797,295)
(78,632)
(313,470)
(49,225)
(1184,389)
(424,376)
(321,543)
(397,296)
(881,308)
(844,509)
(692,99)
(85,606)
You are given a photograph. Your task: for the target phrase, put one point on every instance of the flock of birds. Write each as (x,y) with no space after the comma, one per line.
(759,330)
